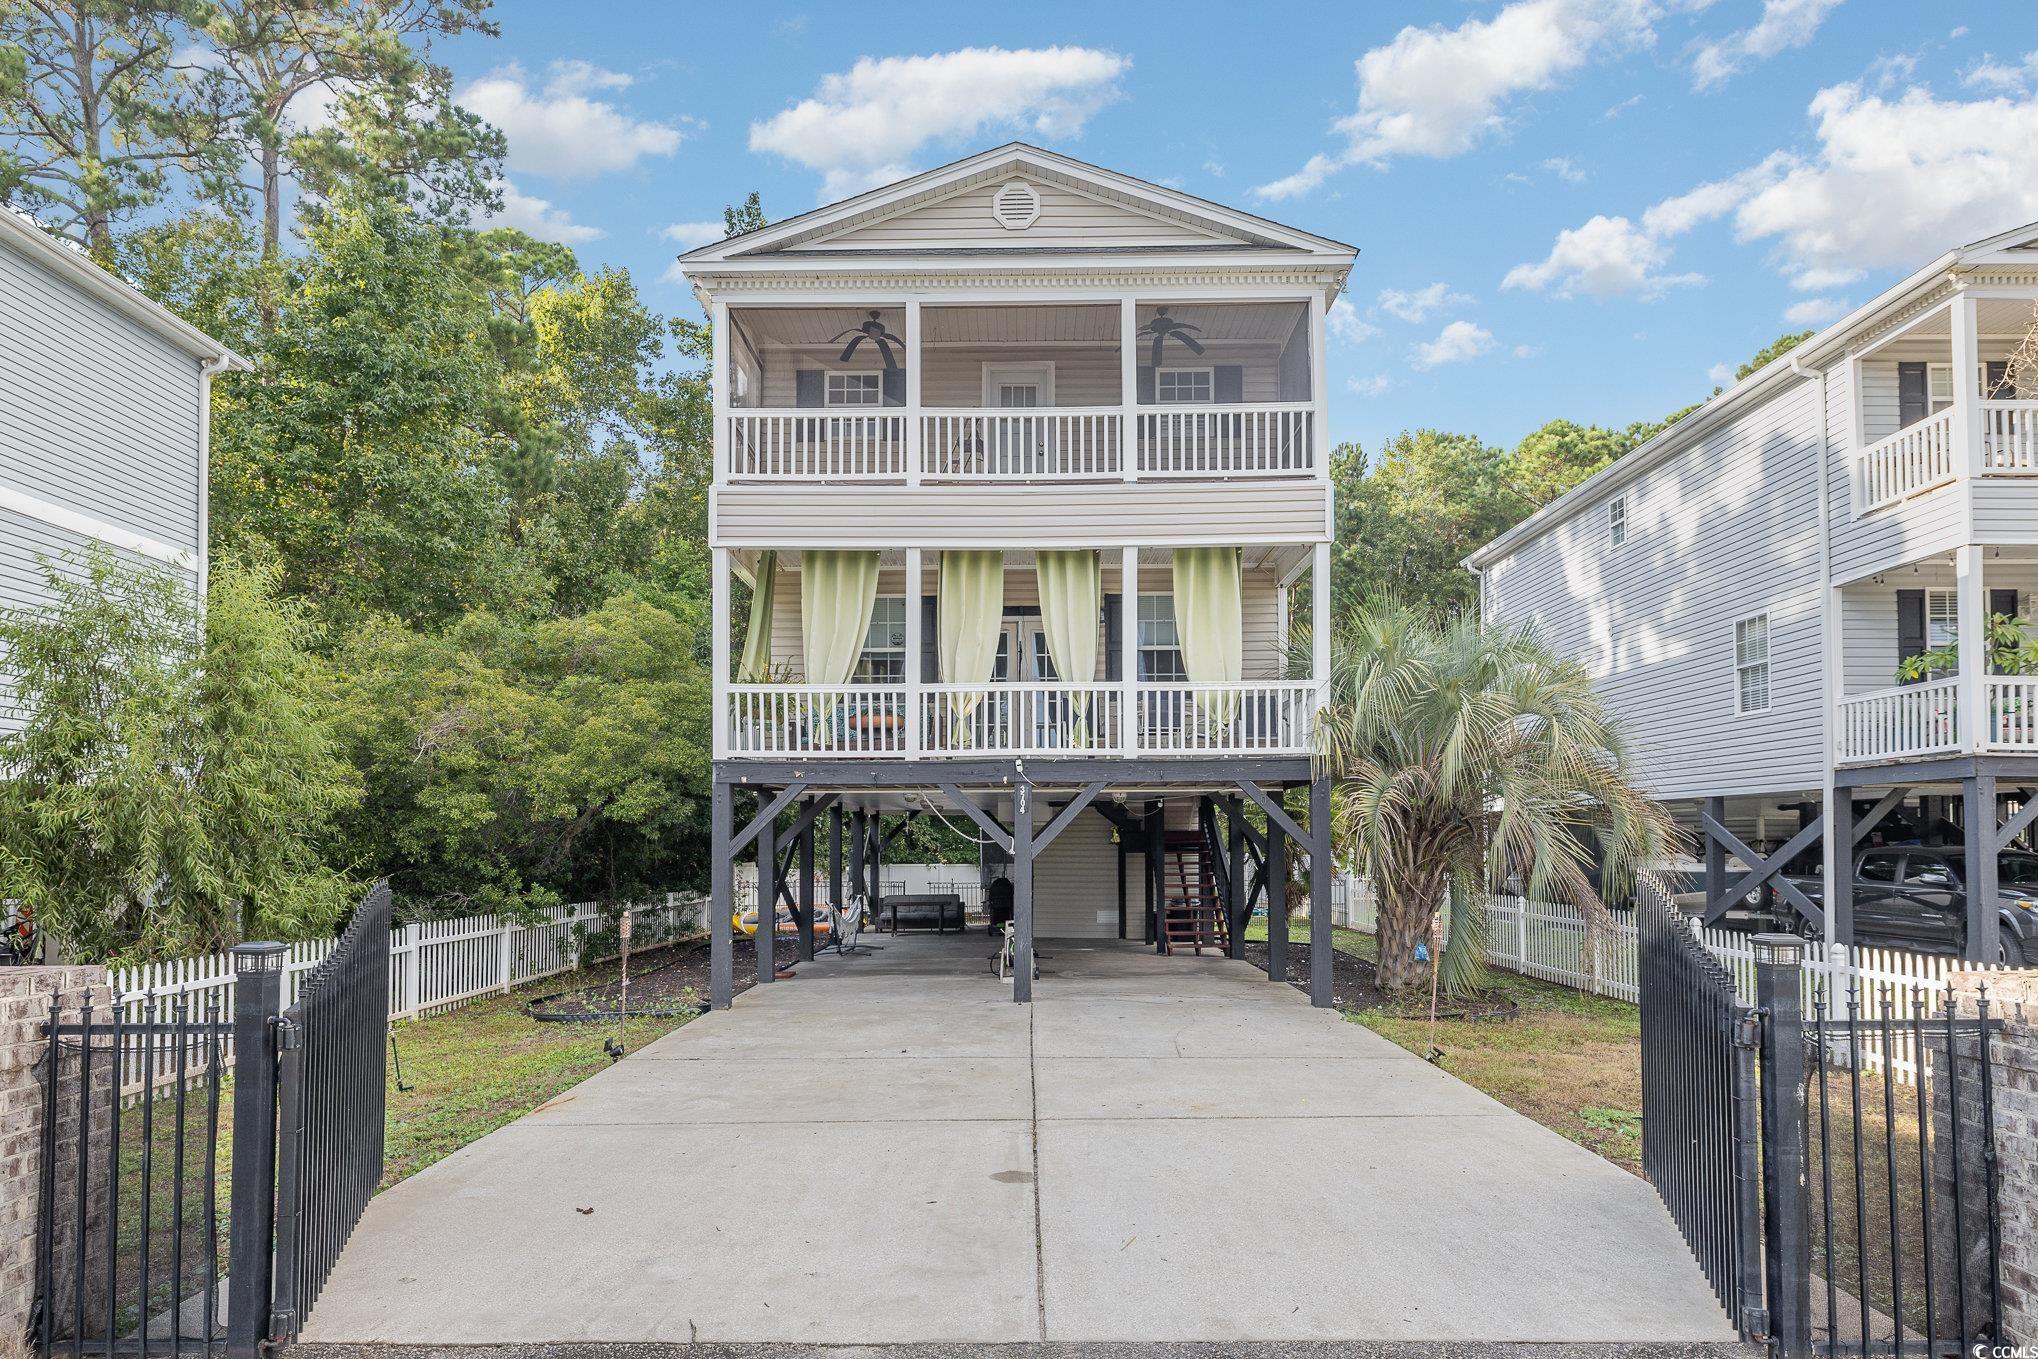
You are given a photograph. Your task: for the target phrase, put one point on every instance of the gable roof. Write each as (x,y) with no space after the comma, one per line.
(1200,224)
(60,258)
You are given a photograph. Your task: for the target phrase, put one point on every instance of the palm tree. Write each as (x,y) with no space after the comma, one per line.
(1461,754)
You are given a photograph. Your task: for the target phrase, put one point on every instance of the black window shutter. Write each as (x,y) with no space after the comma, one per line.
(930,643)
(1114,636)
(1997,383)
(1913,393)
(1227,384)
(1145,386)
(895,386)
(808,389)
(1910,624)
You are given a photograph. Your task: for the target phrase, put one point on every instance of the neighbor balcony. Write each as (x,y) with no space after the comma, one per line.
(1021,393)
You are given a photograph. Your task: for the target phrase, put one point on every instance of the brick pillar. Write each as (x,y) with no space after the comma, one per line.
(2013,1058)
(24,1006)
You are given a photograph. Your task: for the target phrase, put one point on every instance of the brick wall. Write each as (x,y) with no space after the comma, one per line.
(2013,1061)
(24,1007)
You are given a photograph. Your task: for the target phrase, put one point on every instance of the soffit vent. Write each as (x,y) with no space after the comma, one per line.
(1016,205)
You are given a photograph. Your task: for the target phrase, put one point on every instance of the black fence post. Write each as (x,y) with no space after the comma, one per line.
(258,1000)
(1786,1195)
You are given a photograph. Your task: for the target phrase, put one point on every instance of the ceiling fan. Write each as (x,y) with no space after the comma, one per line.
(874,331)
(1164,327)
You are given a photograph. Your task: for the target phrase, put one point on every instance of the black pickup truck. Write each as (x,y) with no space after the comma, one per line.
(1915,897)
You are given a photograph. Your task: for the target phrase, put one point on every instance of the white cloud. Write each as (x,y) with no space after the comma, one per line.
(1527,351)
(538,217)
(1344,323)
(1990,74)
(560,129)
(1371,386)
(1821,277)
(1437,91)
(1784,24)
(1418,305)
(1214,168)
(863,127)
(690,235)
(1815,311)
(1455,343)
(1721,375)
(1623,106)
(1605,257)
(1562,168)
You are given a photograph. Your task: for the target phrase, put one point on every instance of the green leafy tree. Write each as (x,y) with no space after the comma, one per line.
(1772,351)
(169,788)
(1463,754)
(1408,517)
(93,117)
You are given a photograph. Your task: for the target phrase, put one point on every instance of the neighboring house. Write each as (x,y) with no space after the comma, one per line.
(103,412)
(1745,586)
(1019,460)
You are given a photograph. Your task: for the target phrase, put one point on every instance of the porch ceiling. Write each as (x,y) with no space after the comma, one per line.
(1277,558)
(1093,323)
(1994,316)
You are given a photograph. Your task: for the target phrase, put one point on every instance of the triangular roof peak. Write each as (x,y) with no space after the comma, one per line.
(2019,245)
(1142,215)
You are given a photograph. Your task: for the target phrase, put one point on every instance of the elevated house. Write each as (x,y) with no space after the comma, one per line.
(1747,587)
(1017,463)
(104,399)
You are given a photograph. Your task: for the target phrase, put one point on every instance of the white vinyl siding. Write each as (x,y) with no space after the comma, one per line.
(1751,664)
(1075,882)
(964,218)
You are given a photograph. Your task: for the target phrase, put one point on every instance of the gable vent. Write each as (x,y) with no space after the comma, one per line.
(1016,205)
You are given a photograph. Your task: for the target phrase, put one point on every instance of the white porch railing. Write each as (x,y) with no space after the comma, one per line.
(1019,719)
(1227,441)
(1256,717)
(1901,722)
(1273,717)
(1911,461)
(2013,712)
(817,719)
(2009,437)
(810,445)
(1042,444)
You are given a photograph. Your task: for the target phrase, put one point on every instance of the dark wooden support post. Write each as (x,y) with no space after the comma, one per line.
(1840,891)
(1121,884)
(1981,829)
(721,896)
(1234,821)
(1715,810)
(767,897)
(1022,892)
(835,897)
(857,843)
(874,860)
(806,893)
(1321,870)
(1277,902)
(1156,871)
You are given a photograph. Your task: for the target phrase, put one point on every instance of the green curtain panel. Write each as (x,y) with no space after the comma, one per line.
(1211,620)
(1071,598)
(838,591)
(971,609)
(756,664)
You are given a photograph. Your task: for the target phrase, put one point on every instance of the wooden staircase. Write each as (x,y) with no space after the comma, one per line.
(1193,915)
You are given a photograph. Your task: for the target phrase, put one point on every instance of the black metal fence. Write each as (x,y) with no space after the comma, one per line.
(1834,1171)
(157,1223)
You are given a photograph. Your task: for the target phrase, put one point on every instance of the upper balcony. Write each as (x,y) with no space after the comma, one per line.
(1935,402)
(1021,393)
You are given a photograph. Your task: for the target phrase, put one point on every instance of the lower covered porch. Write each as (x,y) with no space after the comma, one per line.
(1169,858)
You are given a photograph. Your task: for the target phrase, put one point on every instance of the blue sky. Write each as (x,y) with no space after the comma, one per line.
(1565,207)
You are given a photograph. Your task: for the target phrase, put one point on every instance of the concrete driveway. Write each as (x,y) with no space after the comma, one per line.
(887,1150)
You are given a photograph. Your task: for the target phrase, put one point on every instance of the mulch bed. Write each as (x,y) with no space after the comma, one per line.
(1355,986)
(672,980)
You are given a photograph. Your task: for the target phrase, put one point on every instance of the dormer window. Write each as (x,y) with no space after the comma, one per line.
(1016,205)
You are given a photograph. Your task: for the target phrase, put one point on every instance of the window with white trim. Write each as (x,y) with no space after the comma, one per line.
(1160,644)
(1751,664)
(1182,385)
(855,389)
(1942,616)
(883,660)
(1617,520)
(1939,386)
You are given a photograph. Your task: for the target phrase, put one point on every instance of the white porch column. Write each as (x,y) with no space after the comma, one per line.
(1319,398)
(1966,393)
(914,729)
(1128,649)
(718,614)
(1971,618)
(1128,388)
(718,387)
(912,401)
(1319,621)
